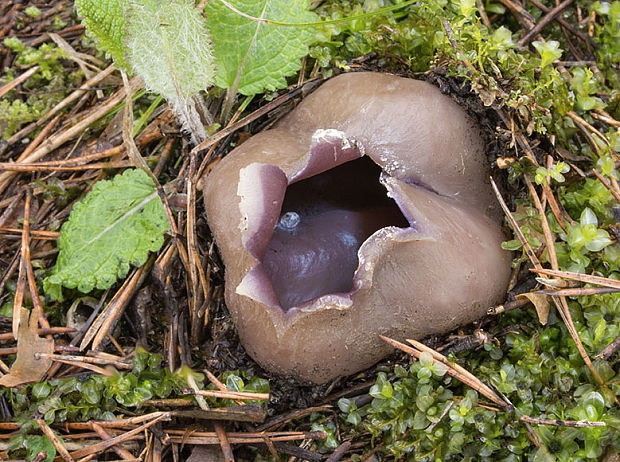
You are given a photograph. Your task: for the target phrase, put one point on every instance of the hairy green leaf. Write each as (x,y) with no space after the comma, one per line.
(105,20)
(115,225)
(253,55)
(169,46)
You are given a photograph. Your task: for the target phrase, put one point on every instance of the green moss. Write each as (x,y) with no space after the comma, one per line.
(41,92)
(33,12)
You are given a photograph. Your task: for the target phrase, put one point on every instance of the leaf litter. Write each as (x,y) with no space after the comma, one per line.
(519,359)
(33,352)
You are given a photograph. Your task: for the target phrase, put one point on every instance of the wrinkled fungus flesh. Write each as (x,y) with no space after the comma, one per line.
(367,210)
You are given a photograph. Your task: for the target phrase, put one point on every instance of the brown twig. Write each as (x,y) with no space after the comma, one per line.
(254,413)
(90,360)
(100,328)
(271,448)
(520,13)
(604,117)
(549,237)
(43,134)
(82,365)
(163,157)
(339,452)
(609,350)
(224,443)
(515,226)
(10,167)
(614,192)
(13,350)
(483,13)
(550,16)
(81,160)
(51,436)
(51,331)
(129,422)
(118,449)
(583,37)
(585,126)
(282,419)
(100,447)
(219,385)
(511,305)
(190,231)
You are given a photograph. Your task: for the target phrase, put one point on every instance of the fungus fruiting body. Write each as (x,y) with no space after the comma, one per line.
(365,211)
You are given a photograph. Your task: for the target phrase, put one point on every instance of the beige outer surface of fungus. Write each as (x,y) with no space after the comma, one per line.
(425,255)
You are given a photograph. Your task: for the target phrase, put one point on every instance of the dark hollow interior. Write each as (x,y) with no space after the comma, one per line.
(324,220)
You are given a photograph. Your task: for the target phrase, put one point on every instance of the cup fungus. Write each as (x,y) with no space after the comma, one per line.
(366,211)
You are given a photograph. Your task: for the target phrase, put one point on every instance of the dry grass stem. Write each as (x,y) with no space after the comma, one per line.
(100,328)
(38,234)
(7,87)
(585,278)
(224,443)
(118,449)
(180,436)
(43,134)
(577,291)
(91,360)
(515,226)
(8,336)
(100,447)
(559,301)
(610,187)
(561,423)
(190,231)
(227,394)
(609,350)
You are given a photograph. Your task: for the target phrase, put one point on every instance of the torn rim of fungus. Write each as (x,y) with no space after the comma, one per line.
(268,222)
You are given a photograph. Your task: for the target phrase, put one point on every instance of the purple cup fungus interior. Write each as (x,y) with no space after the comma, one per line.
(324,221)
(306,232)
